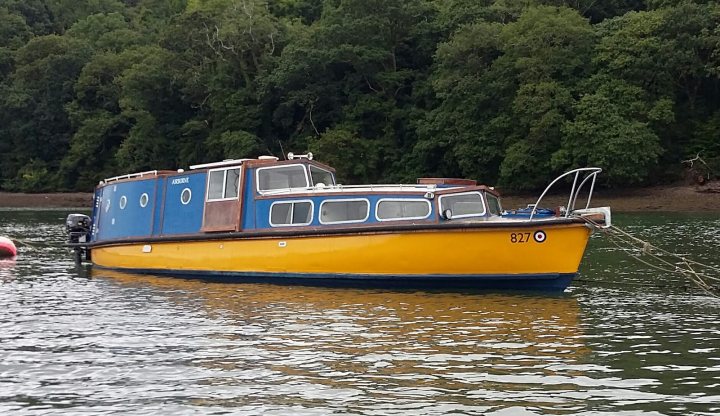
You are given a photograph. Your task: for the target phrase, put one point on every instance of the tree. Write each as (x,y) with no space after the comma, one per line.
(37,92)
(14,33)
(357,68)
(612,130)
(505,92)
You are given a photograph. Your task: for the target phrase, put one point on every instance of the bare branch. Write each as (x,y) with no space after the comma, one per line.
(697,158)
(312,104)
(272,42)
(367,81)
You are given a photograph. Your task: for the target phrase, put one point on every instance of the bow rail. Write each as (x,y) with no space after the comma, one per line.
(581,174)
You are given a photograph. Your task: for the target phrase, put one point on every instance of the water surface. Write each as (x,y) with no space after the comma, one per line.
(624,339)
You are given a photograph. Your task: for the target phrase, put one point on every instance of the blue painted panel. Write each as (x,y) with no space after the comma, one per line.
(179,218)
(262,207)
(119,213)
(248,202)
(158,208)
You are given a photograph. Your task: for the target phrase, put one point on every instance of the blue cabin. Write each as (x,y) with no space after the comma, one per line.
(265,194)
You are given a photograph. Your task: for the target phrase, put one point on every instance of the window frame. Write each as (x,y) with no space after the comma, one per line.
(189,192)
(367,213)
(482,199)
(311,179)
(224,184)
(487,203)
(267,191)
(292,212)
(377,206)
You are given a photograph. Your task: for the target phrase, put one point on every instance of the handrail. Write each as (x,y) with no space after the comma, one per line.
(340,188)
(131,175)
(590,173)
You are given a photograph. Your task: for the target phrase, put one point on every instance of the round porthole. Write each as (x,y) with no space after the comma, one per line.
(123,202)
(186,196)
(144,200)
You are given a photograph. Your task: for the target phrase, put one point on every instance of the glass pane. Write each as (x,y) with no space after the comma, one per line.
(215,188)
(402,209)
(463,205)
(416,209)
(282,178)
(321,176)
(280,214)
(302,213)
(493,204)
(185,196)
(232,183)
(344,211)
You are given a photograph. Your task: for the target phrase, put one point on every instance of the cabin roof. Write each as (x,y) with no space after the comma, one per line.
(262,161)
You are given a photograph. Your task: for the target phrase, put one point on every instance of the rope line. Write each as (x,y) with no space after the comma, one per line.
(663,260)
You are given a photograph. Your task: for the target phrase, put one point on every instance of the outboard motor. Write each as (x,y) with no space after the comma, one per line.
(78,228)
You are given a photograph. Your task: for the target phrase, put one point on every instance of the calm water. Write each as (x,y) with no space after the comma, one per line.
(623,340)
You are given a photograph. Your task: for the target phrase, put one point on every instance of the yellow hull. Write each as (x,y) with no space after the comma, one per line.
(472,251)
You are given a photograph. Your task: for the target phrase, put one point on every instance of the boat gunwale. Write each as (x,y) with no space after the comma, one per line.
(322,231)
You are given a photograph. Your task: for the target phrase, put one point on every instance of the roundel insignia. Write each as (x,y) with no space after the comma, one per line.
(540,236)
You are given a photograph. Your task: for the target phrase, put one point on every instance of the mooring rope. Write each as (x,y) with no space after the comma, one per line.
(677,265)
(23,242)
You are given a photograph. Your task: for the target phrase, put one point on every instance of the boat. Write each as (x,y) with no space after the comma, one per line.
(272,220)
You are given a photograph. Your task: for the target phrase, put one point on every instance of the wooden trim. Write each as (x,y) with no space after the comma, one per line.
(258,163)
(366,193)
(241,198)
(446,181)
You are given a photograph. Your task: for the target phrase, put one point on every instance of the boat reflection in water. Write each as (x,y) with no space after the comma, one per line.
(261,346)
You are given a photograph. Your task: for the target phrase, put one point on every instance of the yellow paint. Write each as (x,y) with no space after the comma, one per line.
(452,252)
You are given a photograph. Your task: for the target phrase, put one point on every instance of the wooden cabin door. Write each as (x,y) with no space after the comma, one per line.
(223,200)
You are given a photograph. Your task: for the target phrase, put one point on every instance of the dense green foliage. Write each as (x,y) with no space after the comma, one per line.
(506,92)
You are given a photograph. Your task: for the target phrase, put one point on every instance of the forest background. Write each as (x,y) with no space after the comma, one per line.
(505,92)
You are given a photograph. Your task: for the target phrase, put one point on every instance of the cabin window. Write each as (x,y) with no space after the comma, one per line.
(186,196)
(493,204)
(468,204)
(344,211)
(402,209)
(321,176)
(223,184)
(291,213)
(281,177)
(123,202)
(144,200)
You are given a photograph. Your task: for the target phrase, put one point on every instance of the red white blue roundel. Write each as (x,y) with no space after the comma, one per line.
(540,236)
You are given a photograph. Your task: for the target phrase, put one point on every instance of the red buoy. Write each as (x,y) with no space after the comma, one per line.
(7,248)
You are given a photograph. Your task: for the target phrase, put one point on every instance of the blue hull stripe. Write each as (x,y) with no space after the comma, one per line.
(550,281)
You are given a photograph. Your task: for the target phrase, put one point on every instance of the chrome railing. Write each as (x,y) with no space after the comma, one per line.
(583,175)
(130,175)
(353,188)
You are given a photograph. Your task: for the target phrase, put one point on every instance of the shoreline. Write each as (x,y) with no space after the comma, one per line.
(668,198)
